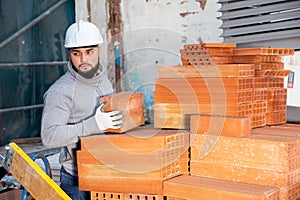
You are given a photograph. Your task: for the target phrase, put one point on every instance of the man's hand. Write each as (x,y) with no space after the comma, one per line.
(105,120)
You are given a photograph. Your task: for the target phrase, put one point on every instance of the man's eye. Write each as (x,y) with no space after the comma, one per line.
(90,52)
(75,54)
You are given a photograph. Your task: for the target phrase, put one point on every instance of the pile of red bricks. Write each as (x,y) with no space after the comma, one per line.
(223,97)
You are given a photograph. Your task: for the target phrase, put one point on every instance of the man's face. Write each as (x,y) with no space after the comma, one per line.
(85,60)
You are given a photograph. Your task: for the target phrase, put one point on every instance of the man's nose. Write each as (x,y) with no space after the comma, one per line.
(83,57)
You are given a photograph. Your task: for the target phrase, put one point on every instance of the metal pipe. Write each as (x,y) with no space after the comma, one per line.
(21,108)
(32,64)
(32,23)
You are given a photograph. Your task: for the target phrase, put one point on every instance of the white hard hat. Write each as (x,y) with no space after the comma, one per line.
(82,34)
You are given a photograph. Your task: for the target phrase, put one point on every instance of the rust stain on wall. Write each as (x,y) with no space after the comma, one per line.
(202,3)
(187,13)
(88,5)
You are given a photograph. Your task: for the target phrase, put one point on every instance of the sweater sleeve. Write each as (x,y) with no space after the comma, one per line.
(55,130)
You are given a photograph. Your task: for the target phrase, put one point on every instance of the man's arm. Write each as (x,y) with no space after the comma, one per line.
(56,131)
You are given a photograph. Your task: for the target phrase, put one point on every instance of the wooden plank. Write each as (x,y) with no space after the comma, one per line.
(220,125)
(201,188)
(26,140)
(190,71)
(33,178)
(13,195)
(131,103)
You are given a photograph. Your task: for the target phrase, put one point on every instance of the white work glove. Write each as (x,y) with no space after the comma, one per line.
(113,119)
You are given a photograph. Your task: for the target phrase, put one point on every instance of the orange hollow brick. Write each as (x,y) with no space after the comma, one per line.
(201,188)
(221,125)
(131,103)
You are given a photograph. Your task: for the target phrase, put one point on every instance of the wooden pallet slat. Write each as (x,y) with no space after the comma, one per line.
(33,178)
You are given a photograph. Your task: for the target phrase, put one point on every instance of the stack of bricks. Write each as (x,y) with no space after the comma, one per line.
(268,156)
(268,83)
(132,165)
(220,95)
(207,84)
(220,79)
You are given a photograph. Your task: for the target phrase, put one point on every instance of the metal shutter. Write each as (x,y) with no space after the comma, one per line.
(265,23)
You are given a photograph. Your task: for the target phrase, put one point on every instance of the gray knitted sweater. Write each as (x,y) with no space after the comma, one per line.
(69,107)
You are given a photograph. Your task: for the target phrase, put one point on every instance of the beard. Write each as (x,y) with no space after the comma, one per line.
(87,74)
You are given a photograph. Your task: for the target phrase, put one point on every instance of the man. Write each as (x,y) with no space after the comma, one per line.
(70,104)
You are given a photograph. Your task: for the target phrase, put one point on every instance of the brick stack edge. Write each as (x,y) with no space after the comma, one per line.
(240,148)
